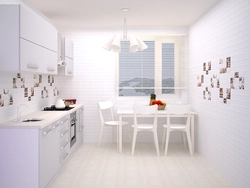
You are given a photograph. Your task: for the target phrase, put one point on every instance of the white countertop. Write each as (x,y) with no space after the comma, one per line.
(47,116)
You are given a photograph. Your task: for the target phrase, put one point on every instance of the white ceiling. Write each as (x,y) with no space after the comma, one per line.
(106,14)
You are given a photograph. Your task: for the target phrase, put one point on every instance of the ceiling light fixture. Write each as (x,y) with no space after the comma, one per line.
(114,43)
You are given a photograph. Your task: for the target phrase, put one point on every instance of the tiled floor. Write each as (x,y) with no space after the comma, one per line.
(104,167)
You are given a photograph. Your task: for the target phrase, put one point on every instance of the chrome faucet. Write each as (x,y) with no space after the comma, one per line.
(19,113)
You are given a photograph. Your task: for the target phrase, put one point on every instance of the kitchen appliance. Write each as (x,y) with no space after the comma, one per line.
(72,128)
(53,108)
(60,104)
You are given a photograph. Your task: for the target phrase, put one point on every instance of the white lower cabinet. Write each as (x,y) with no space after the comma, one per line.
(54,149)
(79,125)
(64,140)
(48,154)
(32,157)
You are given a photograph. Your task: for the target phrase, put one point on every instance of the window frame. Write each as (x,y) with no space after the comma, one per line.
(158,66)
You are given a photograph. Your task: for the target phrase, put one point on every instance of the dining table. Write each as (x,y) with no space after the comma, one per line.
(128,112)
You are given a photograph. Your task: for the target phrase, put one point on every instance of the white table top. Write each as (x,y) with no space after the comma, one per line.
(126,111)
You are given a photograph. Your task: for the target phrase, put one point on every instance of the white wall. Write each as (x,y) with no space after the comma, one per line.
(222,130)
(94,77)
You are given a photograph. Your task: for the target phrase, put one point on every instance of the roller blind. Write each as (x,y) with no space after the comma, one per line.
(136,71)
(168,72)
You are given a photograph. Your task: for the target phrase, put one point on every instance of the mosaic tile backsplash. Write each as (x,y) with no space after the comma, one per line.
(34,90)
(210,80)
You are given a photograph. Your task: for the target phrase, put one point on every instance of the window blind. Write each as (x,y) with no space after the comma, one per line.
(168,72)
(136,71)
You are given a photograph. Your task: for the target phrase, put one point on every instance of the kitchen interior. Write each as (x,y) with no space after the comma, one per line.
(69,70)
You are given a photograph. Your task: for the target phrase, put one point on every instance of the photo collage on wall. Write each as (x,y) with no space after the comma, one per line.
(235,80)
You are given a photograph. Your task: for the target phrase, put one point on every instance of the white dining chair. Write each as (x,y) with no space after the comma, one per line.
(142,112)
(183,126)
(107,119)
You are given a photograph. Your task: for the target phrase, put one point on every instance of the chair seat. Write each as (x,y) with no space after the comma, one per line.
(115,123)
(144,126)
(176,126)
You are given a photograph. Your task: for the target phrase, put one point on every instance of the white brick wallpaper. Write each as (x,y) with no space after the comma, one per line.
(222,130)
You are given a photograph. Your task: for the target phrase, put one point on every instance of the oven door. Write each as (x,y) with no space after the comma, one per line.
(72,134)
(72,131)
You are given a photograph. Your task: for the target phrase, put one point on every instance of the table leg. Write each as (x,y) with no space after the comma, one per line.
(120,134)
(192,131)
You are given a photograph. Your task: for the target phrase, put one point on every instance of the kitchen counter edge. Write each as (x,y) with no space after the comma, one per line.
(48,117)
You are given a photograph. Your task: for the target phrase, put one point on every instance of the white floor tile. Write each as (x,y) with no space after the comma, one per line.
(93,167)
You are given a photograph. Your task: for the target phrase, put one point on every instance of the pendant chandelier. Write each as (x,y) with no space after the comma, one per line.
(135,44)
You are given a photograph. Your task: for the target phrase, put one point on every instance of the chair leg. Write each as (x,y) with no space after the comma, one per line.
(156,142)
(163,137)
(189,143)
(134,140)
(113,134)
(100,135)
(184,138)
(167,142)
(117,137)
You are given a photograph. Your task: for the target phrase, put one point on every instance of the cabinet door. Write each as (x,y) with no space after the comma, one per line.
(35,58)
(9,38)
(69,67)
(64,140)
(79,125)
(66,70)
(48,155)
(69,47)
(37,29)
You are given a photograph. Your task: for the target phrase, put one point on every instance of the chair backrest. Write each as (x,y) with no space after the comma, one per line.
(106,106)
(179,110)
(142,111)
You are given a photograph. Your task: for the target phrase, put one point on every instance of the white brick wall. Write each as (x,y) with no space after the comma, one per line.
(222,130)
(94,77)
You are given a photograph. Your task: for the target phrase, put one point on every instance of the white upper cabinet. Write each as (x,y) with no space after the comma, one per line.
(28,41)
(36,29)
(65,55)
(69,47)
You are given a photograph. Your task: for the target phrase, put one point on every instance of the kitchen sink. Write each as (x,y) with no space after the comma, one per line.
(29,120)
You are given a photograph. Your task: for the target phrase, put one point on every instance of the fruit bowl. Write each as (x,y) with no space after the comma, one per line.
(161,104)
(161,107)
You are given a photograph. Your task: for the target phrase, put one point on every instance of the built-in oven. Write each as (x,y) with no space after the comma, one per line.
(72,128)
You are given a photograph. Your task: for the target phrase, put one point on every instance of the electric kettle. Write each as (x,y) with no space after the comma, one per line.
(60,103)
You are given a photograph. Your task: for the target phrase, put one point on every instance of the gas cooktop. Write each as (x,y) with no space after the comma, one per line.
(53,108)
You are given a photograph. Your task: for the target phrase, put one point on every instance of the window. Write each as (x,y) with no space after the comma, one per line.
(160,69)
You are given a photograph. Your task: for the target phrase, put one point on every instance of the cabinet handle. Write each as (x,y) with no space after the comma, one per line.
(62,134)
(55,126)
(70,72)
(46,132)
(33,66)
(62,147)
(52,69)
(64,157)
(64,121)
